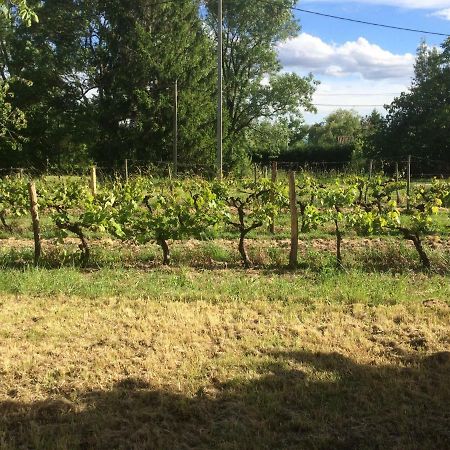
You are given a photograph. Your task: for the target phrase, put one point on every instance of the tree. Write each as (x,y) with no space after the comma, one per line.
(266,140)
(371,128)
(254,89)
(417,121)
(340,127)
(137,51)
(12,119)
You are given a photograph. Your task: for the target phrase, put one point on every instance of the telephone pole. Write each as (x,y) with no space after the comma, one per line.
(220,91)
(175,128)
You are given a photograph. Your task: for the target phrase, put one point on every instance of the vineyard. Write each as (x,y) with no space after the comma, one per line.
(305,312)
(145,210)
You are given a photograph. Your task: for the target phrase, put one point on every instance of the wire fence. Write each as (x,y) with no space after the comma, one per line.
(420,167)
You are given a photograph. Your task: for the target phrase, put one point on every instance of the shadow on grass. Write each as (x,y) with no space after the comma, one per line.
(301,400)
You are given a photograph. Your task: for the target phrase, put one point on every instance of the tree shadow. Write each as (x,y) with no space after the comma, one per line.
(299,400)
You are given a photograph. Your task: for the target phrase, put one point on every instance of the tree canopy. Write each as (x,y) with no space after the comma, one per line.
(417,122)
(101,75)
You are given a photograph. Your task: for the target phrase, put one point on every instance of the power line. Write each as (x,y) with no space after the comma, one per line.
(359,94)
(331,16)
(364,22)
(347,106)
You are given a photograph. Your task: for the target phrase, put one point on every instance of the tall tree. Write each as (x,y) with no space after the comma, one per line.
(417,122)
(254,88)
(138,50)
(340,127)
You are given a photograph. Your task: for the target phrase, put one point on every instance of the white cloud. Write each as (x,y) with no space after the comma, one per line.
(309,53)
(443,13)
(408,4)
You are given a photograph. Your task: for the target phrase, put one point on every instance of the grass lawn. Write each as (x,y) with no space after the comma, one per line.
(184,358)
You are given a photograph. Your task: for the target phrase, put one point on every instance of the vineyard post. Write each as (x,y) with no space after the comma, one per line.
(255,168)
(274,180)
(35,221)
(126,170)
(93,180)
(370,169)
(408,182)
(293,256)
(397,177)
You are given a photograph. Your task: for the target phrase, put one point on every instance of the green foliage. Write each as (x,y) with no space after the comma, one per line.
(340,127)
(335,156)
(14,201)
(144,210)
(27,15)
(417,121)
(147,212)
(12,120)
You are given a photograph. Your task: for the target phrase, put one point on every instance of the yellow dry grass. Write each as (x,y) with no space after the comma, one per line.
(117,373)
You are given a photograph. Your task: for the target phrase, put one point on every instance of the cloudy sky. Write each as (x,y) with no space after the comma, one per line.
(359,64)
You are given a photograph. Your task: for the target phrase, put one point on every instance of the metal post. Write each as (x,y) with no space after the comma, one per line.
(126,170)
(408,183)
(175,128)
(220,90)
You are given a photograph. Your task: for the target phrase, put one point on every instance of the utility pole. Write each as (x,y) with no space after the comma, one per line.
(220,90)
(175,128)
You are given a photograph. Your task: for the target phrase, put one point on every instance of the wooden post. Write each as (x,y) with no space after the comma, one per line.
(274,180)
(126,171)
(397,179)
(93,180)
(35,221)
(408,182)
(293,257)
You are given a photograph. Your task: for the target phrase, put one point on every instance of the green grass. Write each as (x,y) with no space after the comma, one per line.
(188,285)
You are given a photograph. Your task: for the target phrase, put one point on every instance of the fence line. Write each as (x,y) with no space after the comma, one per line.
(421,167)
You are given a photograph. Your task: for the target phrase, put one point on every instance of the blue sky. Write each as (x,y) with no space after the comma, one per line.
(359,64)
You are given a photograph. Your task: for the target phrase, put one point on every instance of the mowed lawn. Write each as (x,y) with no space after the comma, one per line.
(184,358)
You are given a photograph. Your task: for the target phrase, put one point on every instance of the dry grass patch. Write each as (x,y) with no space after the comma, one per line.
(140,374)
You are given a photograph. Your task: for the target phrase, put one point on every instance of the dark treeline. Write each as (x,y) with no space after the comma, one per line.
(94,80)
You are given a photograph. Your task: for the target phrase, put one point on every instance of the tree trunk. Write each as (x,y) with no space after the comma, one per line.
(84,245)
(243,251)
(3,221)
(415,238)
(166,252)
